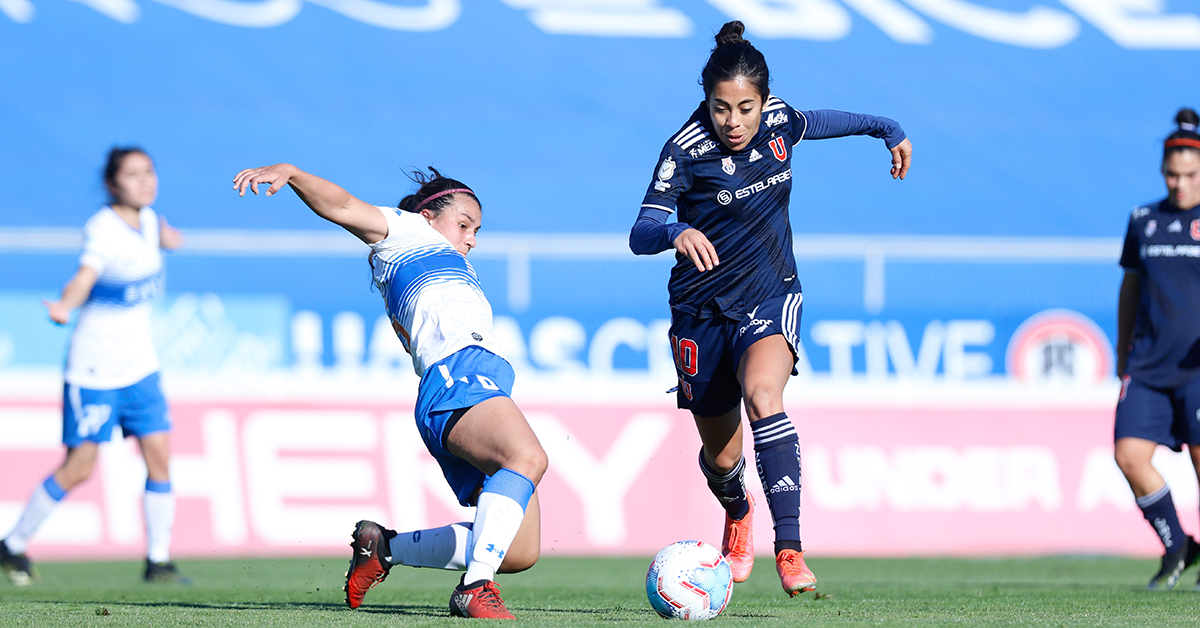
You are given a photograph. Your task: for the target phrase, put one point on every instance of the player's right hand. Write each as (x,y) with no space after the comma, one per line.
(277,176)
(697,248)
(59,313)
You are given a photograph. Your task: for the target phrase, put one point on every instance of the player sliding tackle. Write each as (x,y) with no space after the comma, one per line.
(488,453)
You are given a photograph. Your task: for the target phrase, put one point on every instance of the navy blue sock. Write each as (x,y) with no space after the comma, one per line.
(729,488)
(1159,509)
(777,452)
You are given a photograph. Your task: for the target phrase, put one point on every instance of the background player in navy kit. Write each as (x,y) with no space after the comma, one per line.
(111,374)
(1158,343)
(487,451)
(735,300)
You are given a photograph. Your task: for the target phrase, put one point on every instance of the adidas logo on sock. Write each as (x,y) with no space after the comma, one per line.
(786,484)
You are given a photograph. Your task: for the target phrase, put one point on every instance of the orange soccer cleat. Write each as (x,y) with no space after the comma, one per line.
(737,546)
(367,569)
(480,599)
(795,576)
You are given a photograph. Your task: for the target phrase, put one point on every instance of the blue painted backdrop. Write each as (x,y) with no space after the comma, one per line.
(558,129)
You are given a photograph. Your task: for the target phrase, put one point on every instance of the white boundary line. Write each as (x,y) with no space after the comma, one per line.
(518,249)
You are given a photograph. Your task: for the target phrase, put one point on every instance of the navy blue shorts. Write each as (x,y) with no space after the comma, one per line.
(708,350)
(1168,416)
(90,415)
(455,383)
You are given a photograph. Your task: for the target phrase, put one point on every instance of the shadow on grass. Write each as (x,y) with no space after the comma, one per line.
(403,609)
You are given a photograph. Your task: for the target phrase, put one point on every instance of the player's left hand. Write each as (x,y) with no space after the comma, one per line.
(277,176)
(169,237)
(901,159)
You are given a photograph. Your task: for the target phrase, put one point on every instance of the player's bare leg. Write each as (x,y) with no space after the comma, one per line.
(724,466)
(495,437)
(763,373)
(159,507)
(77,466)
(1133,456)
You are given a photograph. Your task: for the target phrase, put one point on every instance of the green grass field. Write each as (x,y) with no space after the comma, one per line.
(609,592)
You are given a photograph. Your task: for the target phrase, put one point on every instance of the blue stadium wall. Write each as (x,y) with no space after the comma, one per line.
(1036,127)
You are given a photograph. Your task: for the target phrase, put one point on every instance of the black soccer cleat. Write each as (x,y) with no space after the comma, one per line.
(16,566)
(162,572)
(1173,565)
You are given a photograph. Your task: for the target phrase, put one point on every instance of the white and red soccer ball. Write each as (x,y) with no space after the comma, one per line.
(689,580)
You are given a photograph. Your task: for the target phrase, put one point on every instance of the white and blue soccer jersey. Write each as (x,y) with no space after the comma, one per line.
(432,295)
(111,346)
(739,201)
(1162,244)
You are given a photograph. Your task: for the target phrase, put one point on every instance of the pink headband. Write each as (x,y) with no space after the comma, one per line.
(417,209)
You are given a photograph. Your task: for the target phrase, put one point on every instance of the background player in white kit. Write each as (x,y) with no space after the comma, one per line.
(488,453)
(111,374)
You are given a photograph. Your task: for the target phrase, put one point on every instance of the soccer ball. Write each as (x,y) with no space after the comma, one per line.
(689,580)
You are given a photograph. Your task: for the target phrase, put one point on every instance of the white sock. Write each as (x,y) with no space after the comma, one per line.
(497,519)
(436,548)
(41,503)
(159,507)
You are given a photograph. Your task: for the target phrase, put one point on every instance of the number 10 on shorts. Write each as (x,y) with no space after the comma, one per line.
(686,353)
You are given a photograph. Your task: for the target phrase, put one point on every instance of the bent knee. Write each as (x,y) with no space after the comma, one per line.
(517,560)
(1131,462)
(70,476)
(763,401)
(531,464)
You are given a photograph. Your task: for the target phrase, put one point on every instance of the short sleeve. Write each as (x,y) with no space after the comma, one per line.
(95,254)
(1131,258)
(398,227)
(671,179)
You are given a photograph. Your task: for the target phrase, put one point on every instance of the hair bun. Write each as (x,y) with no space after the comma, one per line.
(731,33)
(1187,119)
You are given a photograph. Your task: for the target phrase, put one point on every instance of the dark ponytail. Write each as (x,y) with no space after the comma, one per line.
(1186,137)
(735,57)
(435,192)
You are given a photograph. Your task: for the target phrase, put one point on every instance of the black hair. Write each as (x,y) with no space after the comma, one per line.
(116,156)
(433,184)
(1185,137)
(733,57)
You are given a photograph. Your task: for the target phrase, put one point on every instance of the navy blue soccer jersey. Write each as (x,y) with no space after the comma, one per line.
(739,201)
(1162,245)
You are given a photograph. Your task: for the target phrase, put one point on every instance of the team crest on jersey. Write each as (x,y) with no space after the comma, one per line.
(727,165)
(666,169)
(778,148)
(1195,231)
(777,118)
(704,147)
(1151,227)
(1174,227)
(755,155)
(724,197)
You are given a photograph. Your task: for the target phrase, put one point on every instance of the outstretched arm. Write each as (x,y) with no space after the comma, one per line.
(822,124)
(73,295)
(326,199)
